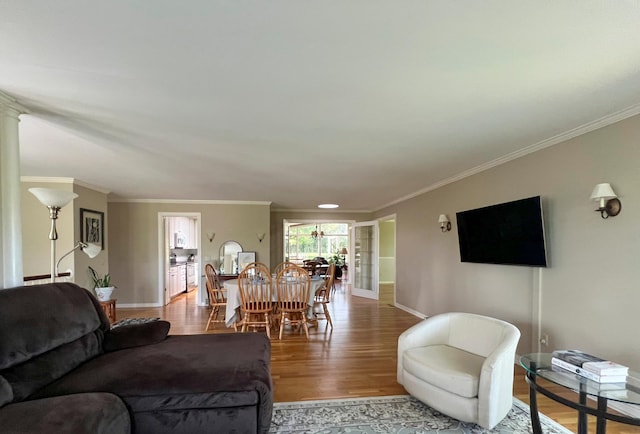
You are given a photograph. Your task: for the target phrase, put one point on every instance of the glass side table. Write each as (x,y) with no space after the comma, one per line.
(538,365)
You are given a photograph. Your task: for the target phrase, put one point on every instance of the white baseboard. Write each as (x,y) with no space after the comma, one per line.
(411,311)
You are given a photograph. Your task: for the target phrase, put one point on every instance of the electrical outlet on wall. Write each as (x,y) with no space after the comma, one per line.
(544,339)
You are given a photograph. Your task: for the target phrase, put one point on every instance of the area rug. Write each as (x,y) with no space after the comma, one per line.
(390,414)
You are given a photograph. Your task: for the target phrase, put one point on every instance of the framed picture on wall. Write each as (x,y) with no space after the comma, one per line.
(244,259)
(92,227)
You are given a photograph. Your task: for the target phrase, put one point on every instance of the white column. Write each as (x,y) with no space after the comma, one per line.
(10,225)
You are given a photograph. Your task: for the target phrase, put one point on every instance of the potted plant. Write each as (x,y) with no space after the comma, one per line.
(339,261)
(102,285)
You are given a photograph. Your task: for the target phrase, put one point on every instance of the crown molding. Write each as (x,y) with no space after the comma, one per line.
(49,179)
(62,180)
(321,211)
(11,102)
(546,143)
(192,202)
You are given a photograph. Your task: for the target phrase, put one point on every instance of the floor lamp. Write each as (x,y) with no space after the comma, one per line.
(54,200)
(90,249)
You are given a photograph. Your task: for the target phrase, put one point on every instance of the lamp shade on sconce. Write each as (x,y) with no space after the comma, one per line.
(608,203)
(445,224)
(602,192)
(53,197)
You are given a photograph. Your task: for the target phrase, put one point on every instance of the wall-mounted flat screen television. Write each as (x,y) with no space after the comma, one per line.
(510,233)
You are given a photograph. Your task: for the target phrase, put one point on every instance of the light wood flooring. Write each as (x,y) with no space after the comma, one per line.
(355,359)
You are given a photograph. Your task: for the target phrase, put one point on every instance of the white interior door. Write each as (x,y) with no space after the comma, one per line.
(364,269)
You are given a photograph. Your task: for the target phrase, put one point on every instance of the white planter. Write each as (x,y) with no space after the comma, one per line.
(104,294)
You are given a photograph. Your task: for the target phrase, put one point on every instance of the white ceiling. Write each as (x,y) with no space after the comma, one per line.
(360,103)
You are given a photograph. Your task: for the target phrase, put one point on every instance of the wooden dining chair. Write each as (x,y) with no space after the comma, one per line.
(260,265)
(256,293)
(281,266)
(217,296)
(323,296)
(292,285)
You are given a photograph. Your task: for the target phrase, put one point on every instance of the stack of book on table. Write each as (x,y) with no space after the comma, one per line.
(590,367)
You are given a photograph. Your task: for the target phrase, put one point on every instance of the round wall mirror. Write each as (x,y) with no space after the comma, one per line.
(229,257)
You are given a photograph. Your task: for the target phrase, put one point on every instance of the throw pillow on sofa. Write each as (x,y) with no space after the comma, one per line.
(135,334)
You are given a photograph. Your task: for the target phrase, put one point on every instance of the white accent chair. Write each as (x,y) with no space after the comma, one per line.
(460,364)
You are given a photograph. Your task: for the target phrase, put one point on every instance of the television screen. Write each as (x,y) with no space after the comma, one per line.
(510,233)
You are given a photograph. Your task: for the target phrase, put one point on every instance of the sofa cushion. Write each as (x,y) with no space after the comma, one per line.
(135,334)
(446,367)
(37,319)
(180,373)
(6,392)
(99,413)
(28,377)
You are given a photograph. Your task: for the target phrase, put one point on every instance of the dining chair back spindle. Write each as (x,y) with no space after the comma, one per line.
(292,285)
(255,286)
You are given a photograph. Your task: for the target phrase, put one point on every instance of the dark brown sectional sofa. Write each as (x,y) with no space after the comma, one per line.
(64,370)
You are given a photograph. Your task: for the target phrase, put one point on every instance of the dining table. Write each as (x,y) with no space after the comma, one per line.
(234,302)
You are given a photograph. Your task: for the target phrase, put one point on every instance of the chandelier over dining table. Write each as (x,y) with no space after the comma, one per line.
(315,234)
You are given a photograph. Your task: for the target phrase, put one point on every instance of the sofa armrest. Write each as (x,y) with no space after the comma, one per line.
(135,335)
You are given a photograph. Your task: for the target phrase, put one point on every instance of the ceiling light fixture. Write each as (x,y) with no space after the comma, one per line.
(315,234)
(328,205)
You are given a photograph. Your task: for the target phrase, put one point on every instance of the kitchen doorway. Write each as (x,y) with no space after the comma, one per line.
(179,256)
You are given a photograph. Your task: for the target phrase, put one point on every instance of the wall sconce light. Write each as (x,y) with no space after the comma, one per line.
(260,236)
(445,224)
(211,236)
(609,204)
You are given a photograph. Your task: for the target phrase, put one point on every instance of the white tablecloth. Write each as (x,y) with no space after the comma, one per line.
(234,301)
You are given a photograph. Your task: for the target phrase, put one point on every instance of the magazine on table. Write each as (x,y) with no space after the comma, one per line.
(589,366)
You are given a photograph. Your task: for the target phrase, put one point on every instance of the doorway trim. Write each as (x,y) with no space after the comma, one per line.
(163,258)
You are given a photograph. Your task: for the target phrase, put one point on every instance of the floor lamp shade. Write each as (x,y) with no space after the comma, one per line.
(54,200)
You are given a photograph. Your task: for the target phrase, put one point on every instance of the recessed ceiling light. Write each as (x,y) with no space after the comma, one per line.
(328,205)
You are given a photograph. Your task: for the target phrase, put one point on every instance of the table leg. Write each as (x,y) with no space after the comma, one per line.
(601,426)
(582,415)
(533,405)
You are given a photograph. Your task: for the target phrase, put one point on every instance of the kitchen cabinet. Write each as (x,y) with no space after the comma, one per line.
(177,280)
(182,233)
(192,276)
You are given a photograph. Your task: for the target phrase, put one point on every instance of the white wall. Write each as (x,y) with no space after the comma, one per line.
(589,292)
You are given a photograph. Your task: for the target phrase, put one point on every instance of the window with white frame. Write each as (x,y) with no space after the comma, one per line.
(309,240)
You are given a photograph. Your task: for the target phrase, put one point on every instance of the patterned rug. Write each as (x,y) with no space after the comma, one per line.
(390,414)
